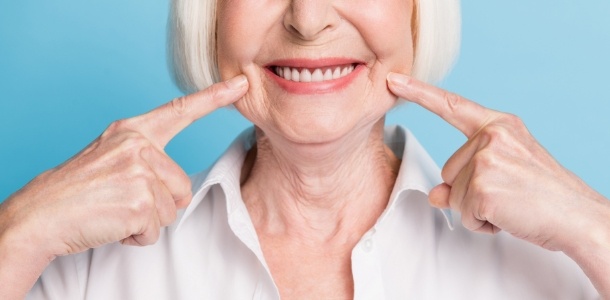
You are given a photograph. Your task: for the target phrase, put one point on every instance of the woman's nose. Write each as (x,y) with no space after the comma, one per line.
(309,18)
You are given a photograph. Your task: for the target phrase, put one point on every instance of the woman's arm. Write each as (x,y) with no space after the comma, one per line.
(590,241)
(21,258)
(122,187)
(503,179)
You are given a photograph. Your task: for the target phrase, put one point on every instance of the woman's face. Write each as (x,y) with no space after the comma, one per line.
(340,50)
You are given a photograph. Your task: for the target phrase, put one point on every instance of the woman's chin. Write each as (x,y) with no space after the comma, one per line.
(317,124)
(309,134)
(318,131)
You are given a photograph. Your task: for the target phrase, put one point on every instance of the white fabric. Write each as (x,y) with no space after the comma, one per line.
(212,251)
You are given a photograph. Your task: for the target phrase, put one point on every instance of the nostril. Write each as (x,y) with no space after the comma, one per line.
(302,34)
(307,34)
(307,20)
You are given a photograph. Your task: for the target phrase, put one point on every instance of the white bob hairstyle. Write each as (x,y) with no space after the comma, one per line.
(192,41)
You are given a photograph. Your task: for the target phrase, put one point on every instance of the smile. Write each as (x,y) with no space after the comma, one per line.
(319,76)
(314,74)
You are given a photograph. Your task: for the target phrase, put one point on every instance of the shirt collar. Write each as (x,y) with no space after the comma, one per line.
(225,172)
(418,172)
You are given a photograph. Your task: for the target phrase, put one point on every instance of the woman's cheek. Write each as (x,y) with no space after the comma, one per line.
(254,106)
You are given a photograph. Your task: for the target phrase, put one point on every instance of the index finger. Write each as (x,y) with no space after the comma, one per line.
(465,115)
(161,124)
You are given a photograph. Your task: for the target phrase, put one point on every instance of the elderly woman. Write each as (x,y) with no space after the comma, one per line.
(318,200)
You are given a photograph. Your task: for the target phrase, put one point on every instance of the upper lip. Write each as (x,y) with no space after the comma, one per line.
(312,63)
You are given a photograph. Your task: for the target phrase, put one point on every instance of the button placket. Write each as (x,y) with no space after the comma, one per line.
(367,245)
(367,242)
(366,269)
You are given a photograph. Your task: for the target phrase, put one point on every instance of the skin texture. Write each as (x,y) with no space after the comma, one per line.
(332,173)
(122,187)
(503,179)
(324,152)
(378,34)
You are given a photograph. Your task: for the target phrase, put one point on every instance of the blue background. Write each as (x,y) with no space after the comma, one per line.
(68,68)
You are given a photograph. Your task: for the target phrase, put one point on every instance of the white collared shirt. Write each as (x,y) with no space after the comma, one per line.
(412,252)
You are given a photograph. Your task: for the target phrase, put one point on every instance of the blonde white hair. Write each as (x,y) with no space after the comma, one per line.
(192,41)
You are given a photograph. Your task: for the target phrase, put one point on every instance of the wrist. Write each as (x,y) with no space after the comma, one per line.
(590,245)
(20,234)
(22,257)
(23,226)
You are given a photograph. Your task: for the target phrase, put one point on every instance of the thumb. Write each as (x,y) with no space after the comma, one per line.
(439,196)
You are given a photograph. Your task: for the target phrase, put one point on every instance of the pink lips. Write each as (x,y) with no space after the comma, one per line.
(319,87)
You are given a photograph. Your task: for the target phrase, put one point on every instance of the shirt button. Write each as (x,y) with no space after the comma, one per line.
(367,246)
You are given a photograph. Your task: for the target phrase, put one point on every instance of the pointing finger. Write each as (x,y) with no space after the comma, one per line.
(465,115)
(161,124)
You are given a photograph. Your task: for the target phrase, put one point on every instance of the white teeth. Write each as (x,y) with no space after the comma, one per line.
(328,75)
(305,75)
(295,75)
(287,73)
(337,73)
(317,76)
(313,75)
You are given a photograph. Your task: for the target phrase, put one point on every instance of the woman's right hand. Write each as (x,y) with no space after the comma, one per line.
(122,187)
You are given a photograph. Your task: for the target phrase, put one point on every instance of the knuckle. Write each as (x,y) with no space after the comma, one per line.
(483,161)
(517,125)
(181,194)
(486,209)
(513,120)
(149,236)
(140,175)
(179,106)
(115,127)
(495,133)
(124,136)
(134,143)
(469,221)
(498,138)
(140,207)
(452,100)
(214,96)
(185,201)
(133,140)
(480,190)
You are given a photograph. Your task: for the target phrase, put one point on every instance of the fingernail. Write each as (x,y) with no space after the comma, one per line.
(237,82)
(398,79)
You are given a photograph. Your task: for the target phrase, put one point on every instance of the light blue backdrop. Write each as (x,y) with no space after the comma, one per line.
(68,68)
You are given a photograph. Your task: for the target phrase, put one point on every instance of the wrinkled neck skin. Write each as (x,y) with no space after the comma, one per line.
(324,193)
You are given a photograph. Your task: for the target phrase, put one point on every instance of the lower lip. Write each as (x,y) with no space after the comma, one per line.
(320,87)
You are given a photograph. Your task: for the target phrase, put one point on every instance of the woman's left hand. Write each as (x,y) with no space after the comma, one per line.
(503,179)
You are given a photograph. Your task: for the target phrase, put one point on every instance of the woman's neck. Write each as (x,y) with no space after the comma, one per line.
(334,191)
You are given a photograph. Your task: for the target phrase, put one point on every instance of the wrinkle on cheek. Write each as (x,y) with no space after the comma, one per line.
(271,108)
(374,76)
(255,106)
(250,108)
(377,91)
(369,92)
